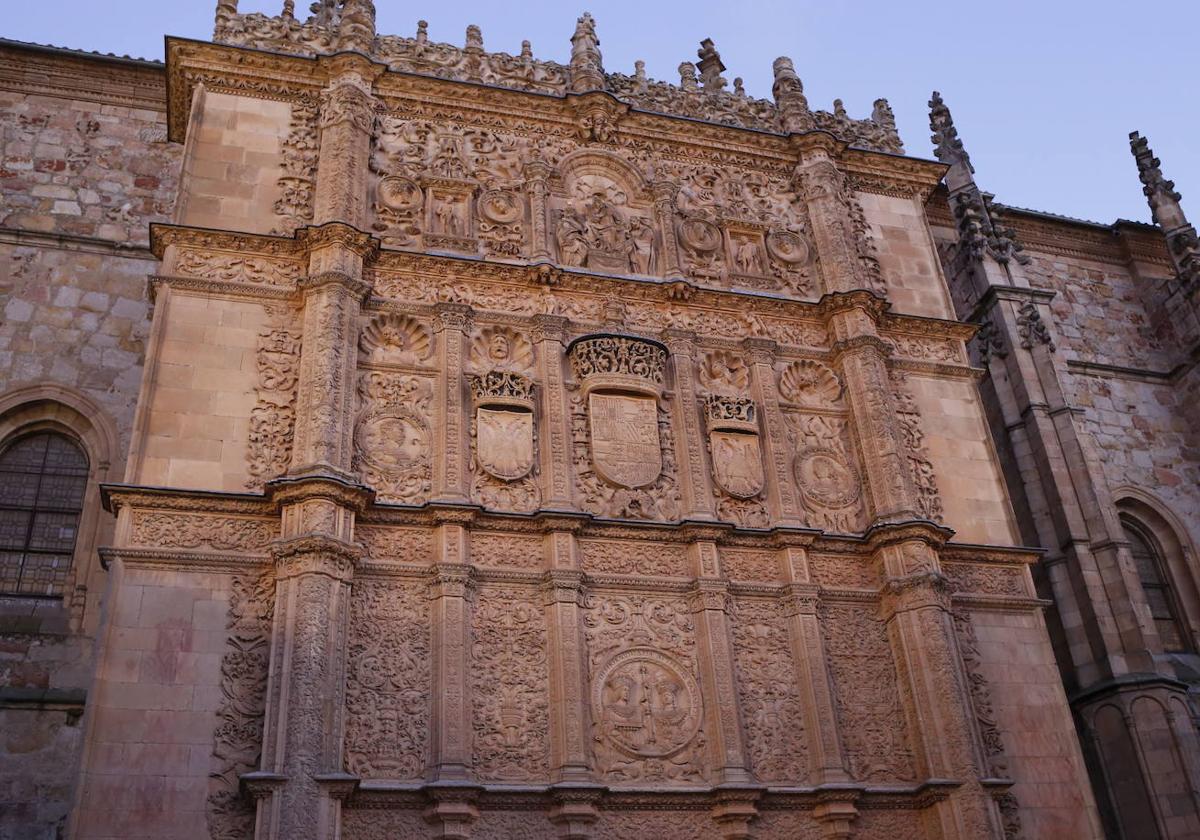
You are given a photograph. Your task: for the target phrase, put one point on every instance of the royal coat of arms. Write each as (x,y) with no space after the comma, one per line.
(737,463)
(625,443)
(505,442)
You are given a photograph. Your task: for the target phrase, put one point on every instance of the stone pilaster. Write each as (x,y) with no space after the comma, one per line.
(562,589)
(664,214)
(933,683)
(710,604)
(825,192)
(549,333)
(537,173)
(347,118)
(452,321)
(449,591)
(781,490)
(697,492)
(862,356)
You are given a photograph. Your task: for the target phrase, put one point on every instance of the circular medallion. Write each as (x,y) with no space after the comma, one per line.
(399,193)
(647,703)
(500,206)
(700,235)
(825,478)
(392,443)
(787,247)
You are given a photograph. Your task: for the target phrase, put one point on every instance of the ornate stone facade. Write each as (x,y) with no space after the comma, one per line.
(531,450)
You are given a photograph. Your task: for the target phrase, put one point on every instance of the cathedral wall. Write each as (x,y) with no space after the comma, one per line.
(974,497)
(907,256)
(232,166)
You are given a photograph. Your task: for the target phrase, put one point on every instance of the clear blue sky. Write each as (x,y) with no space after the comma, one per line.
(1044,92)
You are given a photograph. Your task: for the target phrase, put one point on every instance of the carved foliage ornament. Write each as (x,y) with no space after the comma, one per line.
(273,417)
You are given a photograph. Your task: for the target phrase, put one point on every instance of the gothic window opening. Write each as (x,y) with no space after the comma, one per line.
(43,477)
(1156,583)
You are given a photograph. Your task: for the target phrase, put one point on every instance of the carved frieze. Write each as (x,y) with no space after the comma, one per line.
(396,544)
(768,692)
(632,557)
(647,709)
(499,550)
(156,529)
(235,268)
(510,694)
(392,435)
(388,680)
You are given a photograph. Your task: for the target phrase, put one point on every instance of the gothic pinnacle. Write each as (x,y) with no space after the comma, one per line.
(788,90)
(1167,212)
(947,147)
(587,67)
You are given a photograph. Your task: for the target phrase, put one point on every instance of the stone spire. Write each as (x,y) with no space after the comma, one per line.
(710,66)
(587,67)
(1167,212)
(946,146)
(788,90)
(356,30)
(226,11)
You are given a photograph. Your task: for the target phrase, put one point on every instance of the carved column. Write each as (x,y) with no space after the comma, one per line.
(452,321)
(549,333)
(301,781)
(563,592)
(862,356)
(933,683)
(664,214)
(537,172)
(697,494)
(779,482)
(827,764)
(347,118)
(709,604)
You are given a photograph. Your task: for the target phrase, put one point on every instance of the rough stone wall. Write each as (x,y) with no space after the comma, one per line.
(81,177)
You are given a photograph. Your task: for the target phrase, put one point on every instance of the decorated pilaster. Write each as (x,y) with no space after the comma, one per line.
(452,321)
(537,174)
(347,117)
(449,592)
(562,589)
(549,333)
(710,605)
(697,497)
(664,215)
(780,487)
(822,184)
(862,356)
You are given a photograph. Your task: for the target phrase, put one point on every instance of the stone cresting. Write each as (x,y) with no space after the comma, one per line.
(694,98)
(581,465)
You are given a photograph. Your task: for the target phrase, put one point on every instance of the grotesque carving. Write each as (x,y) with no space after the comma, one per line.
(501,348)
(392,435)
(273,418)
(391,338)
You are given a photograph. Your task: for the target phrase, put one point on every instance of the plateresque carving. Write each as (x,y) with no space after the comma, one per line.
(392,435)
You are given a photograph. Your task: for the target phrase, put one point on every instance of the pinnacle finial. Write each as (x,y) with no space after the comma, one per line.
(1167,212)
(947,147)
(788,91)
(356,26)
(226,11)
(587,65)
(710,66)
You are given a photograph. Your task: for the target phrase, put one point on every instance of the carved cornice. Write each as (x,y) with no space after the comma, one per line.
(835,302)
(71,74)
(115,497)
(341,490)
(182,560)
(357,287)
(891,533)
(218,288)
(316,555)
(316,237)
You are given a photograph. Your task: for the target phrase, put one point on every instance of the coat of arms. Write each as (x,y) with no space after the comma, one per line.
(737,463)
(505,442)
(625,444)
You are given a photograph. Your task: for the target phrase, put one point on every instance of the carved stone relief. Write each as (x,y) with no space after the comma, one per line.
(501,348)
(218,533)
(294,207)
(829,481)
(392,436)
(736,455)
(866,692)
(236,268)
(388,680)
(273,417)
(504,451)
(647,710)
(768,692)
(514,551)
(510,694)
(811,385)
(924,479)
(407,545)
(394,339)
(633,557)
(237,740)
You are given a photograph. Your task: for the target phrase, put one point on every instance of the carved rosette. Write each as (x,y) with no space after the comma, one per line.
(624,449)
(504,436)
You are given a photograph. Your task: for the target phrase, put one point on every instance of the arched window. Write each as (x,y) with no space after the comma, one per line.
(43,477)
(1156,583)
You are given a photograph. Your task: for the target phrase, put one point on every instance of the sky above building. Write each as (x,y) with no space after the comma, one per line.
(1044,92)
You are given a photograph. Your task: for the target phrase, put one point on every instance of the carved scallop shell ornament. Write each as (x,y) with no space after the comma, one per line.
(809,383)
(501,348)
(392,338)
